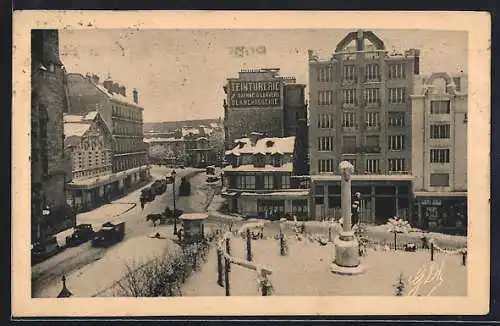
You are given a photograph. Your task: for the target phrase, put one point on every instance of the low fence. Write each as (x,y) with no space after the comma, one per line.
(224,261)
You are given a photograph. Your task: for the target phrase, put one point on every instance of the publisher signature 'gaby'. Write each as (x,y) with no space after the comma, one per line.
(428,278)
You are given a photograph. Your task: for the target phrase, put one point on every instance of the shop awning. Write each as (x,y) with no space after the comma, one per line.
(278,194)
(440,193)
(230,194)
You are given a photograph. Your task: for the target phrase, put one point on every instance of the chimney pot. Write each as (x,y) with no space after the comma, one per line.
(136,96)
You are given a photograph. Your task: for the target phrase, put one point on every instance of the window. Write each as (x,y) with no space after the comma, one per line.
(440,107)
(397,71)
(372,166)
(285,182)
(372,95)
(439,180)
(441,131)
(325,74)
(440,155)
(319,190)
(299,206)
(349,143)
(326,143)
(397,95)
(349,96)
(372,141)
(372,72)
(325,120)
(396,143)
(325,166)
(371,119)
(350,72)
(325,97)
(396,119)
(348,119)
(397,165)
(268,182)
(246,182)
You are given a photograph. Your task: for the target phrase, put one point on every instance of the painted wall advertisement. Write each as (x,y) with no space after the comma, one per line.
(245,93)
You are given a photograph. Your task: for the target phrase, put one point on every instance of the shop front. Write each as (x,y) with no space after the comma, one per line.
(442,211)
(273,205)
(382,197)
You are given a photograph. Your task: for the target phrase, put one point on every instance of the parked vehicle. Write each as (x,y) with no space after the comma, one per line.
(212,179)
(81,233)
(109,234)
(185,187)
(210,170)
(45,249)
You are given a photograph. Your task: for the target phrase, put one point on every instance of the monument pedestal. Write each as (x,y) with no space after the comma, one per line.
(347,261)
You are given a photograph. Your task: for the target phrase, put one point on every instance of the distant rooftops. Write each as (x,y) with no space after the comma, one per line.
(264,145)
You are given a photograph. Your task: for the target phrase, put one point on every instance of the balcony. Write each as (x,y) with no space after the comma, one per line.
(373,105)
(350,105)
(349,82)
(367,127)
(350,150)
(353,128)
(370,149)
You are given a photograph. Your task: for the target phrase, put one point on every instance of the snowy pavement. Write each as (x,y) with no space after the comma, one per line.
(49,272)
(100,277)
(306,271)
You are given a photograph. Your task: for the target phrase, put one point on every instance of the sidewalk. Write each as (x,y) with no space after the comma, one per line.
(306,271)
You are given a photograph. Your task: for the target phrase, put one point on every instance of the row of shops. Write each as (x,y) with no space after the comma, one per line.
(86,194)
(382,197)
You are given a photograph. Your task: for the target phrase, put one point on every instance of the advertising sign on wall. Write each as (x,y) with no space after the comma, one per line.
(245,93)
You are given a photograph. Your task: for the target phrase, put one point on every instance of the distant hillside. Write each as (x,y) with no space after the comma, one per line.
(169,126)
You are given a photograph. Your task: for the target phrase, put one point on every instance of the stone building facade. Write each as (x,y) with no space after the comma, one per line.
(258,101)
(89,142)
(360,111)
(123,116)
(258,179)
(439,123)
(50,165)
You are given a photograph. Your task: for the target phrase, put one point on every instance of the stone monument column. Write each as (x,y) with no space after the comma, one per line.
(347,259)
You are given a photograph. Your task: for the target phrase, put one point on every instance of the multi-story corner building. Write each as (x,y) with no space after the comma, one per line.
(258,179)
(360,111)
(260,100)
(439,142)
(50,166)
(123,116)
(187,146)
(89,143)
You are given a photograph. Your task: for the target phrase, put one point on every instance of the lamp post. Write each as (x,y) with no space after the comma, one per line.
(173,193)
(346,245)
(45,213)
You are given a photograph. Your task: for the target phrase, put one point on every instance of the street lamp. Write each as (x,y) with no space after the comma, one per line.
(45,213)
(173,193)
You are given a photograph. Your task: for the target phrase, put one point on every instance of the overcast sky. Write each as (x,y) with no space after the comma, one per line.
(180,73)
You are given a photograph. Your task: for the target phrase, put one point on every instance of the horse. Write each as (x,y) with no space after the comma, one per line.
(154,218)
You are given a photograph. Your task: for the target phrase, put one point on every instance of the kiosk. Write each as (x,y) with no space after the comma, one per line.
(193,227)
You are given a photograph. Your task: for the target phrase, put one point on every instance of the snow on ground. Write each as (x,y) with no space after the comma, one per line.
(102,274)
(306,271)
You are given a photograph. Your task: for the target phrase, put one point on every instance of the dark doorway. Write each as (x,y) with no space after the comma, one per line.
(385,209)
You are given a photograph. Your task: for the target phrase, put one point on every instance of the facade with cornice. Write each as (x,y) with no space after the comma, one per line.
(258,181)
(439,142)
(360,111)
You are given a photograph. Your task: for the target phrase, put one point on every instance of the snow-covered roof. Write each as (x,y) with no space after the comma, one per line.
(75,129)
(287,167)
(117,97)
(214,125)
(266,145)
(162,140)
(187,131)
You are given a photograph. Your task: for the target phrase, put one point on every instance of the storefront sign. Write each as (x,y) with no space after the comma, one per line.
(244,93)
(429,202)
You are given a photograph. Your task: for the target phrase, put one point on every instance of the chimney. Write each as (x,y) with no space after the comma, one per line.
(136,96)
(254,136)
(115,88)
(123,91)
(95,79)
(108,84)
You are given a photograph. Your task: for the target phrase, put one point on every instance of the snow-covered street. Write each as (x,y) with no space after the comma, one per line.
(46,275)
